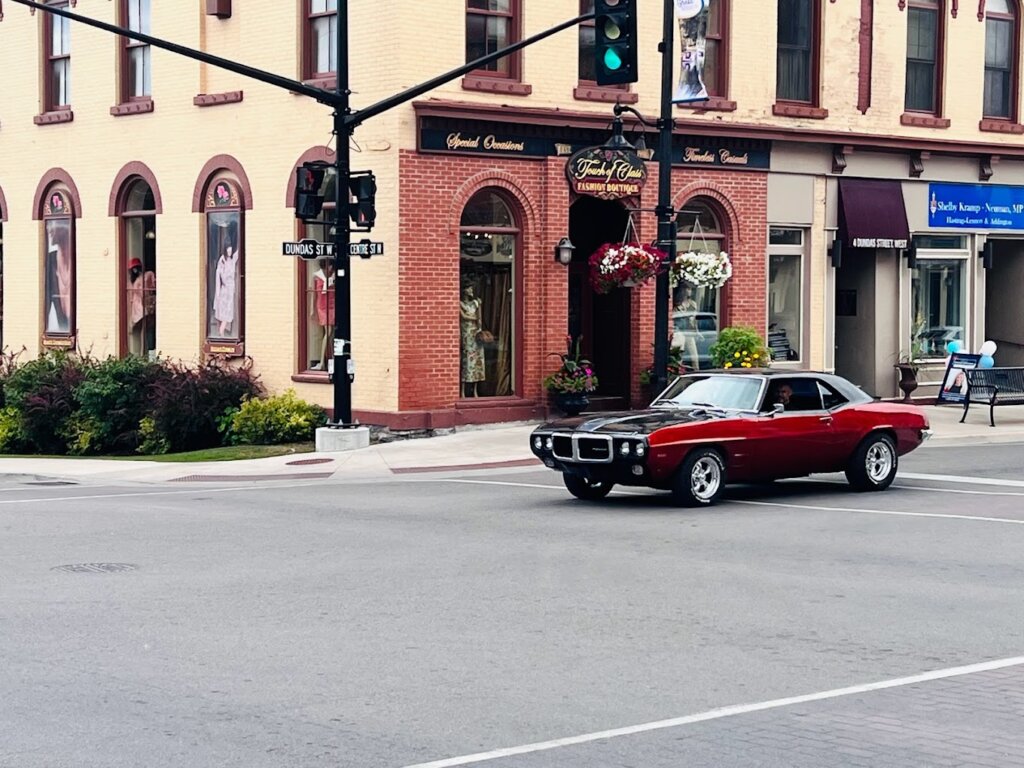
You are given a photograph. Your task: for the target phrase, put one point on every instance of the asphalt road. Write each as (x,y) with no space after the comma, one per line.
(490,619)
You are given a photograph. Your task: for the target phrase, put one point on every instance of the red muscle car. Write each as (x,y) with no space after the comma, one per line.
(711,428)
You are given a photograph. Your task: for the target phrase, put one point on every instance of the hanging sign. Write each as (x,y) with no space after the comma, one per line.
(607,174)
(693,18)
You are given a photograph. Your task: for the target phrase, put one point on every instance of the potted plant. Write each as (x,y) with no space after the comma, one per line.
(908,367)
(616,265)
(574,379)
(740,346)
(701,268)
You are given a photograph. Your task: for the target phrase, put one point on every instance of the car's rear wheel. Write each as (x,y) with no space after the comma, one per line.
(873,465)
(700,479)
(584,488)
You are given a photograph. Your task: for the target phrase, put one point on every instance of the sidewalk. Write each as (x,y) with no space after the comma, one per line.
(497,447)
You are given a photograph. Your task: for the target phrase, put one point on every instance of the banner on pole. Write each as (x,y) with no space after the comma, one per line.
(693,30)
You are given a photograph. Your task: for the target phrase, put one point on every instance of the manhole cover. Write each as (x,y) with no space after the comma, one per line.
(307,462)
(95,568)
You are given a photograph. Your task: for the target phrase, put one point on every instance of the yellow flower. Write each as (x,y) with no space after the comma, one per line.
(728,365)
(756,356)
(745,352)
(736,355)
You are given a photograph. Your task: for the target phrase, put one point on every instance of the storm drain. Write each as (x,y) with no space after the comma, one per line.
(96,568)
(308,462)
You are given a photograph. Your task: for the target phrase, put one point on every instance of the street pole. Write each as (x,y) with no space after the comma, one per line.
(666,226)
(342,273)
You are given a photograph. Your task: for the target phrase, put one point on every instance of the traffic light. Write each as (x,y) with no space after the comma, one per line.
(363,187)
(309,178)
(615,41)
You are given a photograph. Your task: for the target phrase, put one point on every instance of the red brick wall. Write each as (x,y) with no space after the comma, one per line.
(433,191)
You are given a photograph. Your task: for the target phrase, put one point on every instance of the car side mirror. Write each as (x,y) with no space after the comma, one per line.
(777,409)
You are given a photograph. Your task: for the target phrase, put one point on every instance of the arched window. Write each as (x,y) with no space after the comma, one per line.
(138,269)
(696,312)
(488,252)
(224,307)
(59,261)
(316,303)
(1001,32)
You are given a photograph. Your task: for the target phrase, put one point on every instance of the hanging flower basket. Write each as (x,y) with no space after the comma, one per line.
(701,268)
(615,265)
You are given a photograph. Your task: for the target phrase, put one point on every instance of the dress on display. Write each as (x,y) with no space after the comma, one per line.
(472,350)
(324,287)
(224,294)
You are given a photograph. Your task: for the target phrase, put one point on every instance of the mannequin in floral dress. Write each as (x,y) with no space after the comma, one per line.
(470,324)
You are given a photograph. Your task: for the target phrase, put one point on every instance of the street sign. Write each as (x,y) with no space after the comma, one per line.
(311,250)
(366,249)
(308,249)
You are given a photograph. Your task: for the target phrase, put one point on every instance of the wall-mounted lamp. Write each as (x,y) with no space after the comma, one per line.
(564,251)
(836,252)
(911,256)
(988,253)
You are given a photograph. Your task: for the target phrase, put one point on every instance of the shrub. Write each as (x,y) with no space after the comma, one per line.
(12,438)
(274,420)
(113,398)
(187,403)
(42,392)
(8,365)
(740,347)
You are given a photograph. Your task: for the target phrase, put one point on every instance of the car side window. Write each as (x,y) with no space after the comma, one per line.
(793,394)
(829,397)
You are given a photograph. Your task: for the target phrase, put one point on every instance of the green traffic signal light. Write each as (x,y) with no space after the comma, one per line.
(612,60)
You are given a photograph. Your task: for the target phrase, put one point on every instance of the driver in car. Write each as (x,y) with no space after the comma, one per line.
(780,394)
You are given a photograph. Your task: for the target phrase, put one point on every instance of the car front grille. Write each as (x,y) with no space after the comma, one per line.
(583,448)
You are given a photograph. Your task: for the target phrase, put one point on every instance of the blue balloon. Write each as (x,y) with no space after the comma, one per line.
(986,361)
(953,347)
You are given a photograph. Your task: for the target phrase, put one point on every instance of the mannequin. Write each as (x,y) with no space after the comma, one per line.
(323,309)
(470,323)
(688,306)
(141,309)
(224,299)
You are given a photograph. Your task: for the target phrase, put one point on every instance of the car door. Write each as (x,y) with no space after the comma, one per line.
(800,439)
(847,427)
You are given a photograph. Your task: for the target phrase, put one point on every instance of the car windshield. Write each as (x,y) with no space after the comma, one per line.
(723,391)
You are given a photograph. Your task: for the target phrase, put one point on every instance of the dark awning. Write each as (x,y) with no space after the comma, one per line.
(872,214)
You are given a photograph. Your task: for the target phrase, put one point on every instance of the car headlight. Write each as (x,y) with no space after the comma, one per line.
(624,449)
(549,443)
(538,443)
(641,449)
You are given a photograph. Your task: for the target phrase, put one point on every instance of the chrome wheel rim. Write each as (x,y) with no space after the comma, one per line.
(705,478)
(879,461)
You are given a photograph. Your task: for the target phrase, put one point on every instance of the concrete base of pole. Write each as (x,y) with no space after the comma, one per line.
(334,439)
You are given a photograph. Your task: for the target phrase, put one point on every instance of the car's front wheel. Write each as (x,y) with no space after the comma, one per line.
(700,479)
(873,465)
(583,488)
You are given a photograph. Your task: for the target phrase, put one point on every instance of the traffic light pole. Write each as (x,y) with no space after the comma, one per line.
(666,224)
(343,365)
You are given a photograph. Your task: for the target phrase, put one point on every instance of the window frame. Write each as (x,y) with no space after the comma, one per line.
(127,45)
(939,74)
(310,75)
(517,232)
(1013,106)
(799,251)
(212,345)
(50,104)
(963,257)
(302,370)
(59,339)
(515,60)
(722,40)
(814,74)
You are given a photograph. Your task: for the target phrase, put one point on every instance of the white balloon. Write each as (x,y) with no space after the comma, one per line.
(988,348)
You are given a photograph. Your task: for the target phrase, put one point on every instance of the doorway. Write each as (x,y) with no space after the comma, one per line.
(855,319)
(602,320)
(1003,321)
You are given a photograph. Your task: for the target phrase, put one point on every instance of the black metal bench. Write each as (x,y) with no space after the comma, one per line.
(994,386)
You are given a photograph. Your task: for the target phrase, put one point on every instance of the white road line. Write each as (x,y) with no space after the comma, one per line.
(961,479)
(716,714)
(784,505)
(194,491)
(922,488)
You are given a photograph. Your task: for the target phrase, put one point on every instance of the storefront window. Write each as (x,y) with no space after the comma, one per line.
(938,306)
(316,304)
(785,292)
(58,269)
(488,248)
(225,269)
(695,310)
(139,267)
